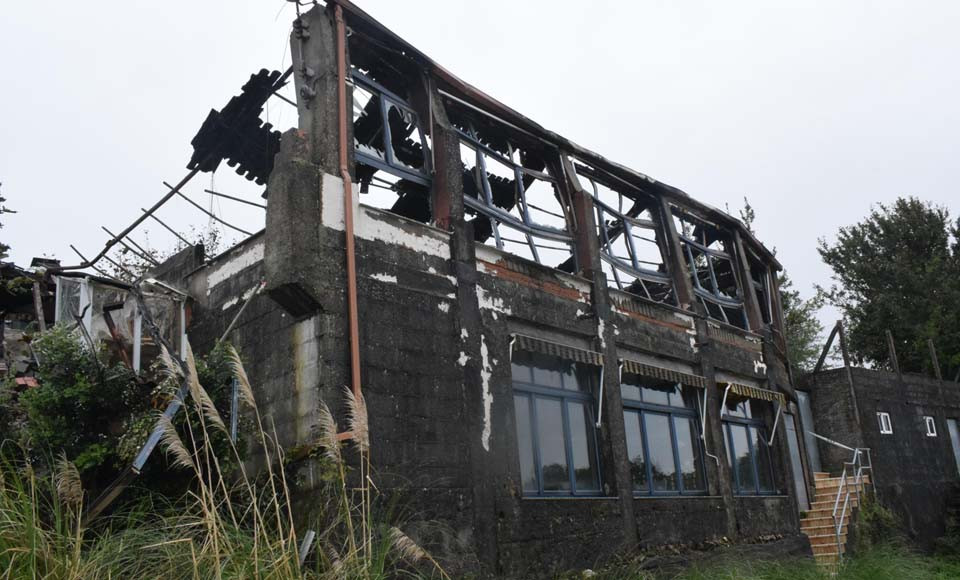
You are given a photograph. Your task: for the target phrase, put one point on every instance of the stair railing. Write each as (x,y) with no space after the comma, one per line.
(861,461)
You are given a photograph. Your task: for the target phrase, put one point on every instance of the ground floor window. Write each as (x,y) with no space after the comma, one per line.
(663,437)
(553,404)
(954,441)
(745,436)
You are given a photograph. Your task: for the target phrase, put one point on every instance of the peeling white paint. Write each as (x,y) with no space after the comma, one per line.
(486,371)
(603,341)
(233,265)
(444,306)
(581,313)
(487,302)
(230,303)
(616,330)
(236,300)
(758,366)
(464,335)
(388,278)
(463,359)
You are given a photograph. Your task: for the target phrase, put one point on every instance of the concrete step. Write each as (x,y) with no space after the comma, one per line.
(836,481)
(827,549)
(822,530)
(829,539)
(822,475)
(815,522)
(824,513)
(824,504)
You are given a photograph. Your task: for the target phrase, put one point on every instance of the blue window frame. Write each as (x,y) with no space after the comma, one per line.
(553,404)
(745,437)
(663,437)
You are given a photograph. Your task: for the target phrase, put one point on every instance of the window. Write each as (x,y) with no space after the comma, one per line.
(760,282)
(553,403)
(886,427)
(629,238)
(712,271)
(931,426)
(746,442)
(511,192)
(390,151)
(663,437)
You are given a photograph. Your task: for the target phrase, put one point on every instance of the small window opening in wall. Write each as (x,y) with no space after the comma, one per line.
(931,425)
(886,427)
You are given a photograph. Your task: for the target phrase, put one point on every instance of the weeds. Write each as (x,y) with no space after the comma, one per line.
(228,525)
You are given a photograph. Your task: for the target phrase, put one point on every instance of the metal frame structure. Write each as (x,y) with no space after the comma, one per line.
(391,164)
(641,409)
(532,392)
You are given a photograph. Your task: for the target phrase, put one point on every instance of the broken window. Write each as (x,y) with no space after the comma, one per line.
(715,283)
(556,439)
(390,150)
(760,282)
(514,200)
(630,248)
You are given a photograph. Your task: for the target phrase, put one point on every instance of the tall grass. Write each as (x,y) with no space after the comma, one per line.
(228,525)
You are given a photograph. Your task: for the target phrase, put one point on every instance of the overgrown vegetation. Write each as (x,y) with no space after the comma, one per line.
(228,524)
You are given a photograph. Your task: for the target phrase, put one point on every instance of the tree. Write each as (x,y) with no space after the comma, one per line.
(4,248)
(802,328)
(897,270)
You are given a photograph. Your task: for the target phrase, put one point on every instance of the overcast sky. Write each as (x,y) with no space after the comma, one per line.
(813,110)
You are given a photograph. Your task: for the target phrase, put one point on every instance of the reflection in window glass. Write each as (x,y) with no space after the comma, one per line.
(740,457)
(691,469)
(528,476)
(661,452)
(581,442)
(68,300)
(638,466)
(553,458)
(764,468)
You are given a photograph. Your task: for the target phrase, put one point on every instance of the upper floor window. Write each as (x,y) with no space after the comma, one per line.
(630,248)
(390,150)
(553,403)
(715,282)
(886,425)
(663,436)
(511,191)
(931,426)
(746,439)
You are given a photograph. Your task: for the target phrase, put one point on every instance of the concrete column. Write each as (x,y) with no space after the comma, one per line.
(671,246)
(612,429)
(752,307)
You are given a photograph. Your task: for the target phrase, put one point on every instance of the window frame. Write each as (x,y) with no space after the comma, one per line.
(888,428)
(585,397)
(752,425)
(931,425)
(640,409)
(391,165)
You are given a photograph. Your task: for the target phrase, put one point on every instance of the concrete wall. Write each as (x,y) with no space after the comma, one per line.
(915,475)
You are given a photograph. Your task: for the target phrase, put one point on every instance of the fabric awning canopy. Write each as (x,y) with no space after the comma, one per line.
(530,344)
(755,393)
(645,370)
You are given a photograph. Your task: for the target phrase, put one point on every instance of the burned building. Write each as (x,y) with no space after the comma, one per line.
(563,359)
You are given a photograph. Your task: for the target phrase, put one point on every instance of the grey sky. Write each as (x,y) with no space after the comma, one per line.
(814,110)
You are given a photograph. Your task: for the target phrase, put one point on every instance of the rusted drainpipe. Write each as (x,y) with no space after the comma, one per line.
(347,205)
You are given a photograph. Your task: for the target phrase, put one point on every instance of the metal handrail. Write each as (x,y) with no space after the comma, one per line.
(858,466)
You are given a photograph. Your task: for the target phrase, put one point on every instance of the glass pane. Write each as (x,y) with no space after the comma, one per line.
(584,451)
(657,395)
(69,304)
(740,458)
(661,452)
(571,378)
(528,476)
(954,440)
(764,467)
(631,392)
(520,366)
(688,448)
(553,458)
(689,398)
(546,370)
(638,466)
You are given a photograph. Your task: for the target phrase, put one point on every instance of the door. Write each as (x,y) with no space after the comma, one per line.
(796,464)
(806,415)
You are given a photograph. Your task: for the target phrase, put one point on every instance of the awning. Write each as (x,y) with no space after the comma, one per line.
(530,344)
(645,370)
(755,393)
